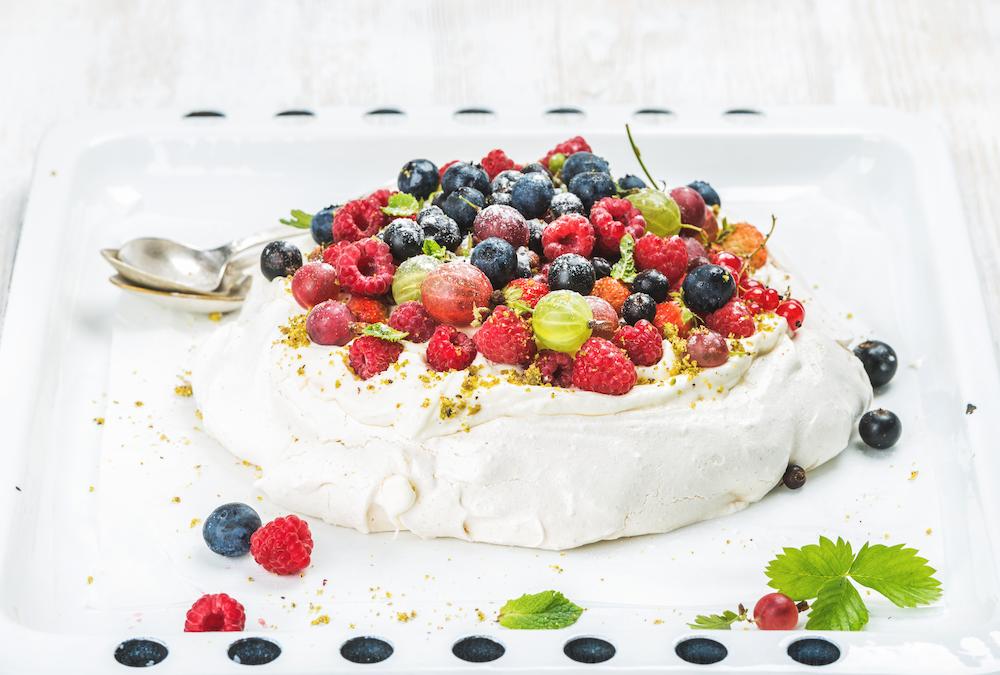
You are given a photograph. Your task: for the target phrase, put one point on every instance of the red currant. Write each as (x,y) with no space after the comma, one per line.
(730,261)
(755,296)
(794,313)
(747,283)
(771,300)
(313,283)
(776,611)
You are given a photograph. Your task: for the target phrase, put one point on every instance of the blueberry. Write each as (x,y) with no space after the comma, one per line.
(535,228)
(638,306)
(280,259)
(630,182)
(504,181)
(462,205)
(532,194)
(535,167)
(707,192)
(497,260)
(405,239)
(418,177)
(592,186)
(502,198)
(880,428)
(322,226)
(707,288)
(463,174)
(571,272)
(228,528)
(566,202)
(441,229)
(582,162)
(879,360)
(653,283)
(602,268)
(523,262)
(429,211)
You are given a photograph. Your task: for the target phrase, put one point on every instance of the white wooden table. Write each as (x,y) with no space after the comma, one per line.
(63,58)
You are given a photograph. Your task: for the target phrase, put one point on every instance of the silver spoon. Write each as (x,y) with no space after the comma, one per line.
(168,265)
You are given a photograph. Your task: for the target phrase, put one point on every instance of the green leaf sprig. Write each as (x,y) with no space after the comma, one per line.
(299,219)
(722,621)
(548,610)
(625,270)
(434,249)
(401,205)
(383,332)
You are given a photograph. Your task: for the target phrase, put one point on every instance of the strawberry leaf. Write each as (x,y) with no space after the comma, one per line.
(299,219)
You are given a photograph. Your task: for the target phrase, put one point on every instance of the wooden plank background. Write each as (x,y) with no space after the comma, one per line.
(63,58)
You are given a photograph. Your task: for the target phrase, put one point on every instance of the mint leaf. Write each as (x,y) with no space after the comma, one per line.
(299,219)
(435,250)
(547,610)
(465,248)
(383,332)
(624,269)
(512,298)
(401,205)
(722,621)
(897,573)
(838,606)
(799,573)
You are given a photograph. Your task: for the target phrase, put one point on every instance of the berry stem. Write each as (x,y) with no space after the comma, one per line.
(802,606)
(638,157)
(767,237)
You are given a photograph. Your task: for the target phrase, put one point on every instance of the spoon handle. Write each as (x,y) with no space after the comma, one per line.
(236,247)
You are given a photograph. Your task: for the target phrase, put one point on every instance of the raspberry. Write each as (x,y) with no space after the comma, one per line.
(496,161)
(370,355)
(215,612)
(366,268)
(381,197)
(444,167)
(670,312)
(602,367)
(331,254)
(742,240)
(567,147)
(506,338)
(571,233)
(283,545)
(366,310)
(613,291)
(669,256)
(642,342)
(611,219)
(732,319)
(358,219)
(413,319)
(528,291)
(556,368)
(450,349)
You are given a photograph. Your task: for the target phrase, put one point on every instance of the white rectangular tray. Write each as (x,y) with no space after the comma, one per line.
(97,542)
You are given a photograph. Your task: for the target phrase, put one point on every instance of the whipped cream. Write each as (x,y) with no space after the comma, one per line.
(487,458)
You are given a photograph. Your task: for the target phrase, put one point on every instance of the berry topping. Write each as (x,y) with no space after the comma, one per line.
(439,227)
(321,226)
(566,148)
(527,291)
(793,312)
(668,256)
(671,313)
(746,241)
(454,290)
(366,268)
(562,321)
(556,368)
(358,219)
(707,192)
(568,234)
(795,477)
(463,174)
(506,338)
(776,611)
(449,349)
(605,321)
(532,195)
(496,161)
(707,349)
(613,291)
(504,181)
(314,283)
(583,162)
(571,272)
(463,205)
(879,360)
(602,367)
(602,267)
(503,222)
(418,177)
(653,283)
(642,342)
(638,306)
(215,612)
(880,428)
(405,239)
(497,259)
(280,259)
(228,528)
(369,355)
(564,203)
(691,204)
(734,319)
(366,310)
(283,545)
(610,217)
(592,186)
(329,323)
(412,318)
(707,288)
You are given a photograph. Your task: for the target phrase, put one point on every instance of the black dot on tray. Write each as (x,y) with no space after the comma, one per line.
(478,649)
(253,651)
(589,650)
(140,653)
(366,650)
(701,651)
(814,651)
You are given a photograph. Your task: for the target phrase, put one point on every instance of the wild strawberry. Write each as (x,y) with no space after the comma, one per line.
(366,310)
(743,240)
(506,338)
(613,291)
(528,291)
(734,319)
(669,256)
(671,313)
(450,349)
(602,367)
(642,342)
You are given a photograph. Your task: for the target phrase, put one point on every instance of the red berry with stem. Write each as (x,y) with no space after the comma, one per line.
(776,611)
(329,323)
(771,300)
(313,283)
(794,313)
(452,292)
(730,261)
